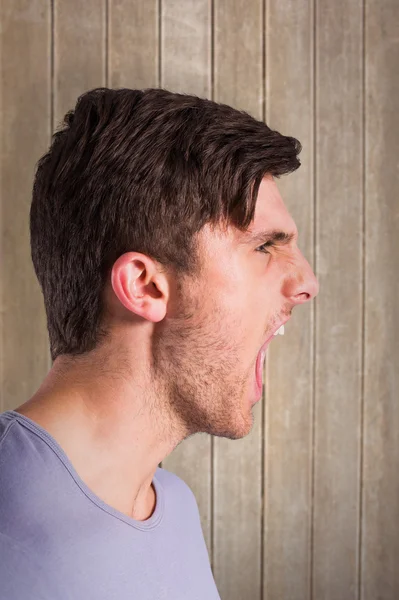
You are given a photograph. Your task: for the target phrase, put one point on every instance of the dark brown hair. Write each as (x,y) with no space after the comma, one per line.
(139,170)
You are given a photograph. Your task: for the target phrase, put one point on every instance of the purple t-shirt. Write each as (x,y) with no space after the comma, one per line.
(59,541)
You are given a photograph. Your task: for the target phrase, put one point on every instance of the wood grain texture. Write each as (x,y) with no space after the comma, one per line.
(339,181)
(133,43)
(25,136)
(380,531)
(238,463)
(289,366)
(79,51)
(330,510)
(238,47)
(186,46)
(185,35)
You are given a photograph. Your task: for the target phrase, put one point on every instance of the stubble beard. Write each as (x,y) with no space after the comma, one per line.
(199,377)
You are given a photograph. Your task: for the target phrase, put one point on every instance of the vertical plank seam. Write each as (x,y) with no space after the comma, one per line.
(106,44)
(2,312)
(264,474)
(159,58)
(52,103)
(314,353)
(211,8)
(363,324)
(212,48)
(52,68)
(159,54)
(262,458)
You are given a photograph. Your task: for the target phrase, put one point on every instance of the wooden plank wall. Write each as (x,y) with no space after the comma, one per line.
(289,79)
(307,506)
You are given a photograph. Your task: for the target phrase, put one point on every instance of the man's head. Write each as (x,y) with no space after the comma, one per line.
(144,227)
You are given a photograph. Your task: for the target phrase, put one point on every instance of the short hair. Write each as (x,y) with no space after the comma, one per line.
(139,170)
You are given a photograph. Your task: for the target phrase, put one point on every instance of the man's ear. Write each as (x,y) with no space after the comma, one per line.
(141,286)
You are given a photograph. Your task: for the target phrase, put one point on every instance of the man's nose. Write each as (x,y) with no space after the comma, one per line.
(303,286)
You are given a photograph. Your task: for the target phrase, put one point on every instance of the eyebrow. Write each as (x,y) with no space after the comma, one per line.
(274,236)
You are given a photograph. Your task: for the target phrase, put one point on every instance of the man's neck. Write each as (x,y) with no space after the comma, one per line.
(109,434)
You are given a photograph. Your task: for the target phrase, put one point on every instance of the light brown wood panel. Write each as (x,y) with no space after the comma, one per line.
(133,43)
(238,41)
(380,531)
(25,133)
(339,180)
(289,366)
(186,67)
(79,51)
(186,46)
(311,550)
(238,463)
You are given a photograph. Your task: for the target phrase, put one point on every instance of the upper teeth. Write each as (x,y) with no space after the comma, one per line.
(280,331)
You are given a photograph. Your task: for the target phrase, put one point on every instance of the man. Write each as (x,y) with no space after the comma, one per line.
(167,261)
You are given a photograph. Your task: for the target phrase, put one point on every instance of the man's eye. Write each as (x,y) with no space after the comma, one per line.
(263,247)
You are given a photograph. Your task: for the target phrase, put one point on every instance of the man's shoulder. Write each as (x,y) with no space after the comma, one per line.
(171,479)
(173,484)
(6,423)
(10,451)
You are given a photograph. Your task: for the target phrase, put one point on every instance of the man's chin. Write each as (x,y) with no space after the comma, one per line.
(236,428)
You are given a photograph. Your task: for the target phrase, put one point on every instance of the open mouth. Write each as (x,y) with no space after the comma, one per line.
(260,361)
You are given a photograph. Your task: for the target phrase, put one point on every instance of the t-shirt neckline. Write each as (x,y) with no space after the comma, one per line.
(153,521)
